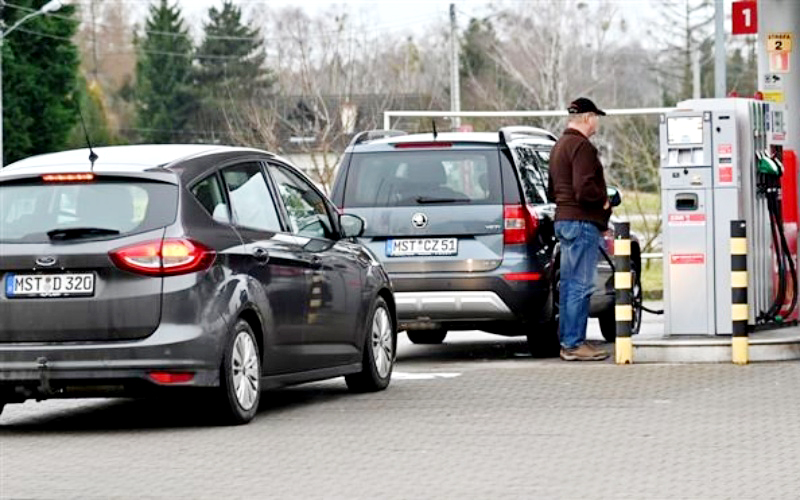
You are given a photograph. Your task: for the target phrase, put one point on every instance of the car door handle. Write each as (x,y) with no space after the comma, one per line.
(261,255)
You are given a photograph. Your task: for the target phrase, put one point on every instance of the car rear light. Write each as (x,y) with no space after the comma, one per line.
(423,145)
(171,377)
(166,257)
(519,224)
(523,276)
(608,237)
(84,177)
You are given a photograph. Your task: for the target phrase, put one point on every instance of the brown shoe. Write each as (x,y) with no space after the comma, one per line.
(584,352)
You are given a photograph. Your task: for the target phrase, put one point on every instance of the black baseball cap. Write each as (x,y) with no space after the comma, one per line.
(584,105)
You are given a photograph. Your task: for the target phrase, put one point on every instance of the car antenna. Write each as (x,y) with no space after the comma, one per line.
(92,155)
(435,133)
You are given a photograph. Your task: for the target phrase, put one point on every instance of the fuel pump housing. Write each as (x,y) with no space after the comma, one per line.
(720,162)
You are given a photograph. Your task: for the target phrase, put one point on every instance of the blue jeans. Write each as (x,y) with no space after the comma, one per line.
(579,253)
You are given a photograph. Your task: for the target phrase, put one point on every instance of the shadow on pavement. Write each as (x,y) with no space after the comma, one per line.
(156,413)
(492,349)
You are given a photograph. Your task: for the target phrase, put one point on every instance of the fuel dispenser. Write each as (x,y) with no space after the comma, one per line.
(720,161)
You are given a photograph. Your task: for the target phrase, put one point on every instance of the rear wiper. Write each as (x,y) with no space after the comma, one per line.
(74,233)
(426,200)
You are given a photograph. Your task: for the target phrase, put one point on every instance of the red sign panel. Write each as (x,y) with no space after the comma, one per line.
(687,258)
(687,219)
(745,18)
(726,174)
(725,149)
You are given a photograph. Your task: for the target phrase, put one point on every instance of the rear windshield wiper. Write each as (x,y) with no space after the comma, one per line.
(429,200)
(74,233)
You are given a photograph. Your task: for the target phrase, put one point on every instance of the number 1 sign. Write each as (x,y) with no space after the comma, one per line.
(745,17)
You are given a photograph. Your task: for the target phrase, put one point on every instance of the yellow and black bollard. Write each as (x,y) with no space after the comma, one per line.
(739,342)
(623,310)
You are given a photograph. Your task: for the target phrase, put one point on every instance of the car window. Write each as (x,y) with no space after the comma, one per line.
(251,202)
(209,193)
(534,170)
(411,178)
(29,211)
(308,215)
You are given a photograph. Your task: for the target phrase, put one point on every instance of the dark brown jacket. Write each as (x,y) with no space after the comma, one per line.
(576,182)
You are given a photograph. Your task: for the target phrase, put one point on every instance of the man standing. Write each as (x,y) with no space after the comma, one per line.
(578,188)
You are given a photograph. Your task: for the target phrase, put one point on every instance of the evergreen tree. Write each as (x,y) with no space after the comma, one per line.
(231,56)
(165,98)
(40,66)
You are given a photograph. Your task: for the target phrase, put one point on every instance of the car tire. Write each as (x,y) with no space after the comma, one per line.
(380,347)
(607,319)
(240,377)
(426,336)
(543,341)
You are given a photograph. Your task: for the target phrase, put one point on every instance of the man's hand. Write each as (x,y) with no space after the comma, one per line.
(607,204)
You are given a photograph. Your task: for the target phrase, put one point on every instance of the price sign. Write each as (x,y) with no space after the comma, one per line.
(745,18)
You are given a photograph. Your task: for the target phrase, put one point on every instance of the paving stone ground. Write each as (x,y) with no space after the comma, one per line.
(496,424)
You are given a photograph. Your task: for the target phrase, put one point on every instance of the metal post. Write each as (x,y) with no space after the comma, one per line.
(455,84)
(719,51)
(2,42)
(739,308)
(623,281)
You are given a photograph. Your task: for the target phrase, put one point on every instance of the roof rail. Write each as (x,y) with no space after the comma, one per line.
(371,135)
(507,133)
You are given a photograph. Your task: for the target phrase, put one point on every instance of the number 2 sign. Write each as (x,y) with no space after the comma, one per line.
(745,17)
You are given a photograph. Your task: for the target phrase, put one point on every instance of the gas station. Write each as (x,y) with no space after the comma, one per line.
(729,208)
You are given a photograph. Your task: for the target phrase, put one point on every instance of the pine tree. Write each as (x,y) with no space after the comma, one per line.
(40,66)
(164,93)
(231,56)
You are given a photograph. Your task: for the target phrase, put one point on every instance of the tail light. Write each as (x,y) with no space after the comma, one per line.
(166,257)
(519,224)
(608,237)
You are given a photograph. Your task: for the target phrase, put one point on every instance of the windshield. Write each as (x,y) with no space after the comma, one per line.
(38,213)
(411,178)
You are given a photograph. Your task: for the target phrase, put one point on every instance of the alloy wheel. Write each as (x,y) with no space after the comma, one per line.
(245,367)
(382,342)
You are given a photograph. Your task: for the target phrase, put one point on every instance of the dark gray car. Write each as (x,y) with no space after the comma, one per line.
(464,227)
(183,266)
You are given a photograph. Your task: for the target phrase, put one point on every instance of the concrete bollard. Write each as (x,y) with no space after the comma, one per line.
(623,308)
(739,309)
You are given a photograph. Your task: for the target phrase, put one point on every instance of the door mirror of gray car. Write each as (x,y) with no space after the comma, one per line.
(614,197)
(352,225)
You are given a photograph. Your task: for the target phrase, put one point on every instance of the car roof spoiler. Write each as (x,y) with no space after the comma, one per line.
(371,135)
(509,133)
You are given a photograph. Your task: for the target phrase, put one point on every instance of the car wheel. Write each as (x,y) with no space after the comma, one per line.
(426,336)
(543,341)
(240,376)
(608,323)
(380,346)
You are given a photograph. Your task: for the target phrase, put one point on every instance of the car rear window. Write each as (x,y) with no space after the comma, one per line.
(29,211)
(411,178)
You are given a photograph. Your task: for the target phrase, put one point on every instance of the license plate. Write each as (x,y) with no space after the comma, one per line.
(422,246)
(49,285)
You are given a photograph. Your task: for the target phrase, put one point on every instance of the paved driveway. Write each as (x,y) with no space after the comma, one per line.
(474,418)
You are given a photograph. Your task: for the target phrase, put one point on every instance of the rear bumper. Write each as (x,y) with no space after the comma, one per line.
(467,298)
(28,370)
(452,306)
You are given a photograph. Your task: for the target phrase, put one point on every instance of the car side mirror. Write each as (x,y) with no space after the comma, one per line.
(352,225)
(614,197)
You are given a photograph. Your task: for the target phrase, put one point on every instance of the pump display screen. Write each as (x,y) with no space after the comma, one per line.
(685,130)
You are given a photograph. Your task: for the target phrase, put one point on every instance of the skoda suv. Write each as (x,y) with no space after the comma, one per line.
(464,228)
